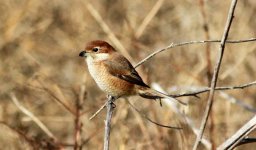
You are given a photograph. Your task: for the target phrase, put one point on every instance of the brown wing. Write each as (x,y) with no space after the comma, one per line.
(121,68)
(133,78)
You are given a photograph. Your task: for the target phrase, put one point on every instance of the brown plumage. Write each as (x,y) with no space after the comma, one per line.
(114,74)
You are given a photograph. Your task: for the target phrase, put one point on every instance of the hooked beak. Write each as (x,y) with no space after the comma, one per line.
(82,54)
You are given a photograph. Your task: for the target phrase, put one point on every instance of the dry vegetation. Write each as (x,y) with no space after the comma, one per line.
(39,46)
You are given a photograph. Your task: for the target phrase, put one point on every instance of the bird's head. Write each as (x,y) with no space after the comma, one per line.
(97,50)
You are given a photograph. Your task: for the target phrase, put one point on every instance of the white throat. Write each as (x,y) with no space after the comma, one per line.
(97,57)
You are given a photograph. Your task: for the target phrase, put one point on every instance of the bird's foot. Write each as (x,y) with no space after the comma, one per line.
(111,100)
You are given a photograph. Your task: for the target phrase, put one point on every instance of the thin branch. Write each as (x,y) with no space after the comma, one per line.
(234,140)
(172,45)
(216,72)
(98,111)
(150,120)
(207,89)
(110,108)
(32,116)
(196,90)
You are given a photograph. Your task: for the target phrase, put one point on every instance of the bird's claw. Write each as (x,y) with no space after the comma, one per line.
(113,105)
(160,102)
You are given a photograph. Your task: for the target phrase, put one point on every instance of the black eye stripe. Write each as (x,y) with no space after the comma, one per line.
(95,49)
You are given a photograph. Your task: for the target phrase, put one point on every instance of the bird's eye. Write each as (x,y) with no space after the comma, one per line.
(95,49)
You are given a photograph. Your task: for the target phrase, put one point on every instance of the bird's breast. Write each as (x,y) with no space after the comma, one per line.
(110,84)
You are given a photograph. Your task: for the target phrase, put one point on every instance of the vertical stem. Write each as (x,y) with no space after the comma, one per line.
(110,108)
(78,125)
(215,73)
(78,122)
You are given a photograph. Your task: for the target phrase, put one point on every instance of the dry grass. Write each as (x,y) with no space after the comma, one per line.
(39,46)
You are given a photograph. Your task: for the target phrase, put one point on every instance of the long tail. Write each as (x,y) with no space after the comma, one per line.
(153,94)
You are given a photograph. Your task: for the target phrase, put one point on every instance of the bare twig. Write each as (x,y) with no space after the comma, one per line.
(110,108)
(172,45)
(239,135)
(216,72)
(196,90)
(150,120)
(32,116)
(195,93)
(98,111)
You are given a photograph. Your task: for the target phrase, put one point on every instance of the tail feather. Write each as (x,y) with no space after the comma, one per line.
(153,94)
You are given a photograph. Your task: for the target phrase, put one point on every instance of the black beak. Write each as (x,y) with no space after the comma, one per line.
(82,54)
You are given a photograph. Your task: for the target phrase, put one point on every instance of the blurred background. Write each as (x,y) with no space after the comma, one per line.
(47,95)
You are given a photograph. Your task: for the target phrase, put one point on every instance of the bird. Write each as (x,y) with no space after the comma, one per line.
(114,74)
